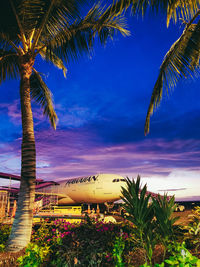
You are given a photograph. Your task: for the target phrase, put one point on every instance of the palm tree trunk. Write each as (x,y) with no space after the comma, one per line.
(22,225)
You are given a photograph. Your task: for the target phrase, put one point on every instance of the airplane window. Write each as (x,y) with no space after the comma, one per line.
(89,179)
(123,180)
(114,180)
(117,180)
(94,178)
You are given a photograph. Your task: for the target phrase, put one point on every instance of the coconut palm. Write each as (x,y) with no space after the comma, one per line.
(54,30)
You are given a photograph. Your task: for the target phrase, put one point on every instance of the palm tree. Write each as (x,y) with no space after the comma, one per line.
(54,30)
(182,60)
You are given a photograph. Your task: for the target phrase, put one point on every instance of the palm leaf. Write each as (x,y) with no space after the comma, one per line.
(54,15)
(9,68)
(181,61)
(49,56)
(78,38)
(174,9)
(43,96)
(184,9)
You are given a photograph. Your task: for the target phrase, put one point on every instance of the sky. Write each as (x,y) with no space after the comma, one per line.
(102,105)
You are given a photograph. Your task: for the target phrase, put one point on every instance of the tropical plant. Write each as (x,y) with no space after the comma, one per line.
(55,30)
(180,256)
(140,212)
(34,256)
(164,207)
(118,249)
(192,236)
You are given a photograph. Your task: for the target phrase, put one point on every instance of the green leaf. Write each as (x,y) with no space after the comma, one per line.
(181,61)
(42,95)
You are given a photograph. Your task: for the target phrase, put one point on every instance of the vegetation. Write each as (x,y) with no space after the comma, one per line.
(56,31)
(128,243)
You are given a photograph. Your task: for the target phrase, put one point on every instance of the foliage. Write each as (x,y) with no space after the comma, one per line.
(141,213)
(4,233)
(118,249)
(192,235)
(34,256)
(164,208)
(91,243)
(181,256)
(2,247)
(152,217)
(87,243)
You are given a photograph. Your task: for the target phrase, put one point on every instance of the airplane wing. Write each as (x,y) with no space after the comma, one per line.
(51,194)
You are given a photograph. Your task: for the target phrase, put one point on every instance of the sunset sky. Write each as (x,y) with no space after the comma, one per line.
(102,106)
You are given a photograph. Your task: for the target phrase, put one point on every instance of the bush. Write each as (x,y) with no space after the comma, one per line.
(85,244)
(4,233)
(34,256)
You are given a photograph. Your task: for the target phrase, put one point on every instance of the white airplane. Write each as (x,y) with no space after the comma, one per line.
(99,188)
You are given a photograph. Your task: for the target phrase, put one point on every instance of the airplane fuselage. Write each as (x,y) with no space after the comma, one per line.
(91,189)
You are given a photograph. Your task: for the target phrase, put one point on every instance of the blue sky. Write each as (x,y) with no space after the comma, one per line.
(102,106)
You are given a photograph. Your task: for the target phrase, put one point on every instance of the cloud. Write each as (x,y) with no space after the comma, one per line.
(176,179)
(12,110)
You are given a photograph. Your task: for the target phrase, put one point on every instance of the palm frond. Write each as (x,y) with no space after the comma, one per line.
(184,9)
(9,68)
(53,16)
(174,9)
(49,56)
(43,96)
(79,37)
(181,61)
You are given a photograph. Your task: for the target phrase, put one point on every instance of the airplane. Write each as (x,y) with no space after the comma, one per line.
(96,189)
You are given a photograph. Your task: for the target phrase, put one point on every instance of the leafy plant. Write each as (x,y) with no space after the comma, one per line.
(2,247)
(118,249)
(192,236)
(181,257)
(34,256)
(164,208)
(4,233)
(141,213)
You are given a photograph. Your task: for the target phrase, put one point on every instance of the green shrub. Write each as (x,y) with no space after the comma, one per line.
(180,256)
(34,256)
(118,249)
(2,247)
(85,244)
(141,213)
(4,233)
(192,234)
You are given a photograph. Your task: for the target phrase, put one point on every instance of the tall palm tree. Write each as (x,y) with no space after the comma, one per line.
(54,30)
(182,59)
